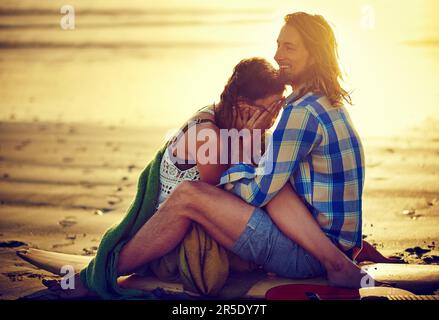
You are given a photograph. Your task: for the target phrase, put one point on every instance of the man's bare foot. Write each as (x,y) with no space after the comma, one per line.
(348,275)
(345,274)
(79,291)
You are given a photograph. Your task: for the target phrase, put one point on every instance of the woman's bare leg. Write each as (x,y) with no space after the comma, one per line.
(292,217)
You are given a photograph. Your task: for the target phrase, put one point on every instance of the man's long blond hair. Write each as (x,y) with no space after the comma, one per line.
(319,39)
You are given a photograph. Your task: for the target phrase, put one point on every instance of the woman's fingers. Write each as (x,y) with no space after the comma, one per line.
(242,118)
(236,118)
(275,107)
(251,117)
(263,121)
(254,118)
(247,111)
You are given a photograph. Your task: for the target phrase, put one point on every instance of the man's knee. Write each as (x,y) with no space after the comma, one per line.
(193,194)
(185,193)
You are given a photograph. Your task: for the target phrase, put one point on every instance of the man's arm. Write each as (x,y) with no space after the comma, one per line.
(293,139)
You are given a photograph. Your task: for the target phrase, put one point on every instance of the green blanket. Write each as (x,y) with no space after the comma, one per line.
(101,274)
(202,264)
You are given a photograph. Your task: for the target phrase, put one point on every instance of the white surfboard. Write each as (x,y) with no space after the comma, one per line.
(415,278)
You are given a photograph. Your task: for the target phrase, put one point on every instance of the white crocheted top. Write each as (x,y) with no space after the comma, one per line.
(171,175)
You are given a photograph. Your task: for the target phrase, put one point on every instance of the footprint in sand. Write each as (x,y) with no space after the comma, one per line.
(101,212)
(68,222)
(90,251)
(374,164)
(67,160)
(71,236)
(87,184)
(411,213)
(22,144)
(62,245)
(389,150)
(113,200)
(18,275)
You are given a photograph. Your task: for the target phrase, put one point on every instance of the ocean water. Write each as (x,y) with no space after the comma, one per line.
(149,63)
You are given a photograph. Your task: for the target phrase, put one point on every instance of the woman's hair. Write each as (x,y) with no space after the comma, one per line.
(319,39)
(252,79)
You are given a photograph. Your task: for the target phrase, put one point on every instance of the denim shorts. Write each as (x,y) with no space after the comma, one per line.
(264,244)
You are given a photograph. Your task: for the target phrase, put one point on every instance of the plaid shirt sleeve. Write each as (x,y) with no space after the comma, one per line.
(293,139)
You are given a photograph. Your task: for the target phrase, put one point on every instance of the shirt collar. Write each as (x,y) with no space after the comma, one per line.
(295,98)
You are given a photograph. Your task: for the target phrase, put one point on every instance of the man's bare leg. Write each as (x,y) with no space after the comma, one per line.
(292,217)
(223,216)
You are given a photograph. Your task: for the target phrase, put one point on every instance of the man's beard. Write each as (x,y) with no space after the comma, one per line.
(295,80)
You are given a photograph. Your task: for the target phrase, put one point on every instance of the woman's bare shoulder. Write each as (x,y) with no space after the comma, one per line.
(205,117)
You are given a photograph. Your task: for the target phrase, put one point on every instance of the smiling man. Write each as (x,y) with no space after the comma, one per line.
(292,56)
(314,148)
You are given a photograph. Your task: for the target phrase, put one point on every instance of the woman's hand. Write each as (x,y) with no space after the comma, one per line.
(241,116)
(254,117)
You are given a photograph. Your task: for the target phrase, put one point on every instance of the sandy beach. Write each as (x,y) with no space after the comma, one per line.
(84,109)
(62,185)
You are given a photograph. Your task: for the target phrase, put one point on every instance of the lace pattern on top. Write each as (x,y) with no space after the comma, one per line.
(170,174)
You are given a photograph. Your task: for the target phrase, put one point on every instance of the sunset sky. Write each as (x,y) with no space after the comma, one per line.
(155,63)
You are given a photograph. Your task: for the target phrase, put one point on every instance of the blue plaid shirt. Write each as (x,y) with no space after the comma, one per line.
(316,148)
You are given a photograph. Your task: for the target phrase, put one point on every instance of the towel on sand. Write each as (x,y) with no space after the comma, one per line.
(200,263)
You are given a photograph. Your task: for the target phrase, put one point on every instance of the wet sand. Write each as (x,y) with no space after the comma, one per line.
(62,185)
